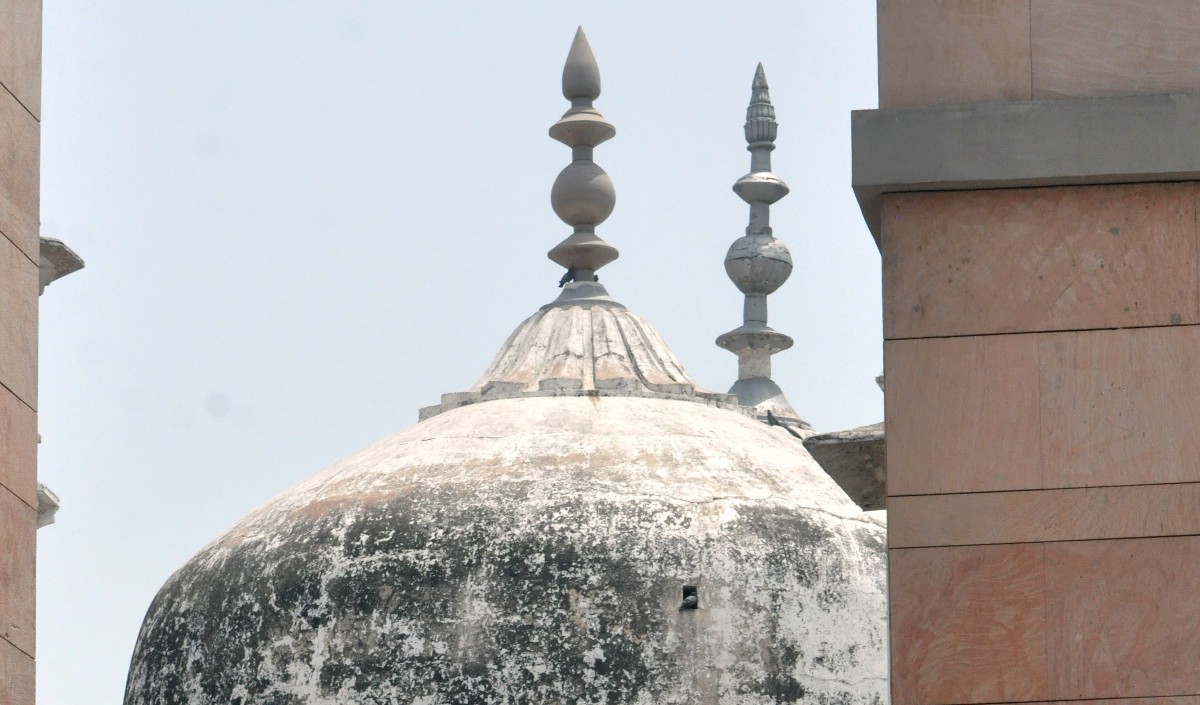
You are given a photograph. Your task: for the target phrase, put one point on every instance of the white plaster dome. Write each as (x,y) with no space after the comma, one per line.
(535,549)
(583,525)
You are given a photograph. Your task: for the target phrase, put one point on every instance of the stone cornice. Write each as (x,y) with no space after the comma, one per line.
(1072,141)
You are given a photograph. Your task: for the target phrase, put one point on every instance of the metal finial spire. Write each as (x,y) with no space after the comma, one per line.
(758,264)
(583,195)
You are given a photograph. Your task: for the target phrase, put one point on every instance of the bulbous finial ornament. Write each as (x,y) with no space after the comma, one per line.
(583,195)
(758,263)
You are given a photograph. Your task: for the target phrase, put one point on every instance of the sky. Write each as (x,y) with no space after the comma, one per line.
(303,221)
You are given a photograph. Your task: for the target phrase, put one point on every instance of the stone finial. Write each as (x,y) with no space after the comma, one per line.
(758,264)
(581,75)
(583,195)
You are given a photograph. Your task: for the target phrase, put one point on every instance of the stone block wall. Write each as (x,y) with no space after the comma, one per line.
(20,108)
(937,52)
(1042,355)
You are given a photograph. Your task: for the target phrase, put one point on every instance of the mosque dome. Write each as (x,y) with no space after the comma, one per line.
(583,525)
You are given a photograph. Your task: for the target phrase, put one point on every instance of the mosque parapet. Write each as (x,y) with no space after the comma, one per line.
(856,459)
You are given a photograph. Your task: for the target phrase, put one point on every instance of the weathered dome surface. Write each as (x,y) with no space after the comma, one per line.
(535,550)
(583,525)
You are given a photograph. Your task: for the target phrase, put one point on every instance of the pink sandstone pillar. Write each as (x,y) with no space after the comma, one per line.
(1031,178)
(20,107)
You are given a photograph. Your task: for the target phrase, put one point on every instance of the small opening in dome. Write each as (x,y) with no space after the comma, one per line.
(691,598)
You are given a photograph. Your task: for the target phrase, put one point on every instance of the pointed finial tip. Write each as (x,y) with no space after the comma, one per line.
(581,75)
(760,77)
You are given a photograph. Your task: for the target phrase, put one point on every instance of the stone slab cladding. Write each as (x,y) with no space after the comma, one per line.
(20,107)
(1031,179)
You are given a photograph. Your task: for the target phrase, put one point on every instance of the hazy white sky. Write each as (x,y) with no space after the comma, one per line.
(304,220)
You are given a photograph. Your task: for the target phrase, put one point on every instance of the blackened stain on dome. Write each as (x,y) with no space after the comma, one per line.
(509,591)
(382,603)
